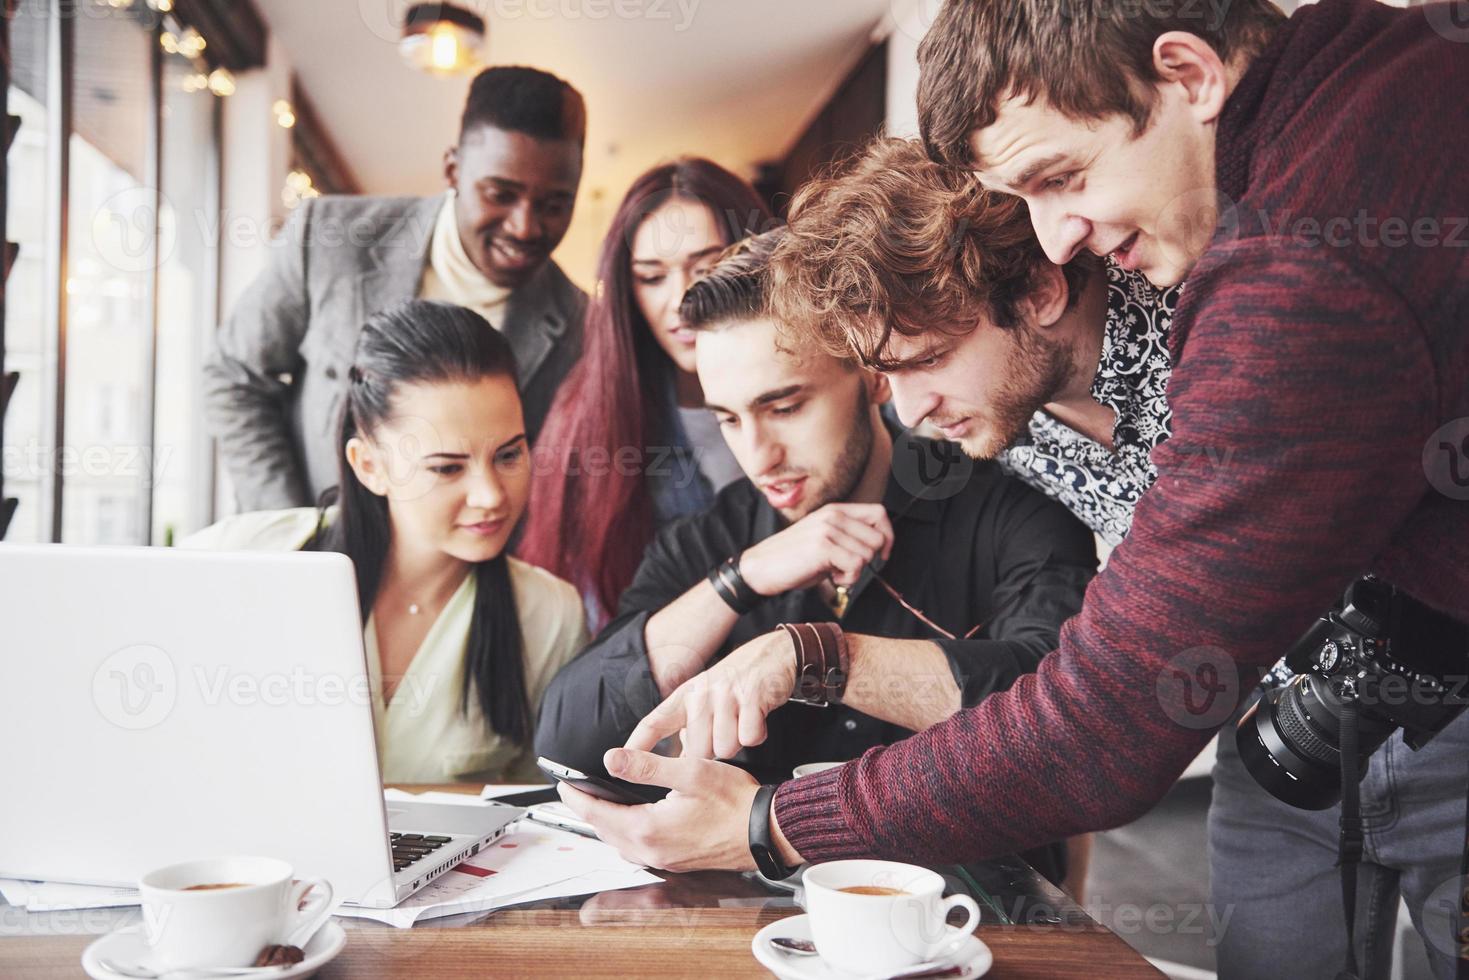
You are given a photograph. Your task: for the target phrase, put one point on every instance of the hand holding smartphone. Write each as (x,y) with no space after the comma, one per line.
(607,788)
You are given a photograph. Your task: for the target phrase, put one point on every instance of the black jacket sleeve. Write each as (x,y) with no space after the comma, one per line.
(596,701)
(1043,558)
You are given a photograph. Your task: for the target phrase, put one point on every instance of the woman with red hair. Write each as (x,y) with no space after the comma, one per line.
(628,445)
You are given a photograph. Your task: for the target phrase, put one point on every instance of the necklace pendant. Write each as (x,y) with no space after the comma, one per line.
(839,603)
(413,609)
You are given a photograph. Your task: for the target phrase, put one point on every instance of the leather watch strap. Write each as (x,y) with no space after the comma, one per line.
(762,844)
(732,587)
(823,662)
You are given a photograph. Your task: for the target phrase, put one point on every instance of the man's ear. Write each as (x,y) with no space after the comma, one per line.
(879,392)
(451,168)
(366,466)
(1043,305)
(1191,65)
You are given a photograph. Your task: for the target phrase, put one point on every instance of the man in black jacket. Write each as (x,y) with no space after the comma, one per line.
(947,578)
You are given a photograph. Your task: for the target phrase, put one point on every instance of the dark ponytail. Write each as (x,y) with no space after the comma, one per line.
(426,342)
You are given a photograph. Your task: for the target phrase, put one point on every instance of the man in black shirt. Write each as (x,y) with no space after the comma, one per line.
(948,579)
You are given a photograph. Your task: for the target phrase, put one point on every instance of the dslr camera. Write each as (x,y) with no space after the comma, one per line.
(1403,664)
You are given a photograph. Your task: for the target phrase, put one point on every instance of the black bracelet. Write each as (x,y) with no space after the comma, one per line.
(733,588)
(762,846)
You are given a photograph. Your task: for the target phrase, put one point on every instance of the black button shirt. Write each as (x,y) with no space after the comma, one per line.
(971,546)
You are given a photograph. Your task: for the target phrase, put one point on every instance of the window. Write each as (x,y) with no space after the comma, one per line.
(29,336)
(108,410)
(183,459)
(111,254)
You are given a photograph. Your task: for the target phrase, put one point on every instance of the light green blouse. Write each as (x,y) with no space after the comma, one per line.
(422,735)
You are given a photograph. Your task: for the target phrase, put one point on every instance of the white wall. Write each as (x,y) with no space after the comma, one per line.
(254,161)
(907,25)
(907,29)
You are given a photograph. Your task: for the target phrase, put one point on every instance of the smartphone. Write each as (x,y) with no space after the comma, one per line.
(606,788)
(560,816)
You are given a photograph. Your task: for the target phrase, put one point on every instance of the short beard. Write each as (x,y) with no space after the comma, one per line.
(850,465)
(1037,369)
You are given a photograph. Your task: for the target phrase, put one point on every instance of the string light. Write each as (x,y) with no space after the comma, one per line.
(299,187)
(221,82)
(192,44)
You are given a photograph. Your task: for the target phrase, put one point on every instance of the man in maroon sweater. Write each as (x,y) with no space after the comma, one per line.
(1307,177)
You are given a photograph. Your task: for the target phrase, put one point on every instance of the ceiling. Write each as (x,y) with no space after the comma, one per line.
(734,80)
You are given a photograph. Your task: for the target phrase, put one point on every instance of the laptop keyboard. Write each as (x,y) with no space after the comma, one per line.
(408,848)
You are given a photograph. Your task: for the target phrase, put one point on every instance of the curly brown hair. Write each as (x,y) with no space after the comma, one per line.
(891,241)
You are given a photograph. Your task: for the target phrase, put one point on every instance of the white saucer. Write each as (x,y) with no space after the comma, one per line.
(125,947)
(974,955)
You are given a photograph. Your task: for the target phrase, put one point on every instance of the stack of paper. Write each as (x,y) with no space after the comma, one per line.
(55,896)
(530,863)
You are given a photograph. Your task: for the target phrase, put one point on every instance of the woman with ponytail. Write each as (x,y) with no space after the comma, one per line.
(461,638)
(628,444)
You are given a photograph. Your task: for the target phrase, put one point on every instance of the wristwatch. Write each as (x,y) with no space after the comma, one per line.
(762,848)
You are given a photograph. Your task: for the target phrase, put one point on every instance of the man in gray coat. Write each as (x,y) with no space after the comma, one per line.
(274,384)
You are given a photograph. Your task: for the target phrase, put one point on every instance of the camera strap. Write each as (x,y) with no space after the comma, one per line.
(1461,921)
(1349,847)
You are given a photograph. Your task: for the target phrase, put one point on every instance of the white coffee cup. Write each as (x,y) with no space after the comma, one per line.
(186,927)
(811,768)
(880,933)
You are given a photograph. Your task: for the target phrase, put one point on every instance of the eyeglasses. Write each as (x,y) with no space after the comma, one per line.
(898,597)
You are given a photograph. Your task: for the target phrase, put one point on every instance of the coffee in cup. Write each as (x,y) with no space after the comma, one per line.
(880,916)
(221,912)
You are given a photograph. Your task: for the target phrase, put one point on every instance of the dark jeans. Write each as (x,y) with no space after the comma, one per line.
(1273,866)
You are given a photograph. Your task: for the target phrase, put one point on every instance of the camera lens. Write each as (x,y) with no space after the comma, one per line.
(1289,741)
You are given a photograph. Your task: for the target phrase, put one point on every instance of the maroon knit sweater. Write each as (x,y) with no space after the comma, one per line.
(1318,349)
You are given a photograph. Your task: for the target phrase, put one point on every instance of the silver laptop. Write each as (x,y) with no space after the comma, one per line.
(160,705)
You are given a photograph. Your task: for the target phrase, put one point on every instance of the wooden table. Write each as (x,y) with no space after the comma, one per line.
(690,925)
